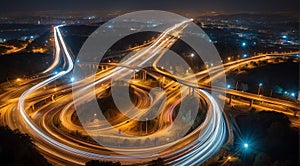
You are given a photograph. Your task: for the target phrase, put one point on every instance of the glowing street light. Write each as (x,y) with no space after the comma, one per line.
(246,145)
(245,55)
(192,54)
(228,86)
(293,94)
(244,44)
(259,87)
(72,79)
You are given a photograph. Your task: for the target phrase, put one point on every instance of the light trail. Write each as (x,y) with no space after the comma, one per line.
(195,148)
(36,87)
(154,48)
(57,51)
(31,90)
(211,136)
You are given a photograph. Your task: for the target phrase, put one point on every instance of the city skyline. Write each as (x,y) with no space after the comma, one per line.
(204,6)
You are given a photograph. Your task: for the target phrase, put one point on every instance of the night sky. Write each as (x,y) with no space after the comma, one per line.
(27,6)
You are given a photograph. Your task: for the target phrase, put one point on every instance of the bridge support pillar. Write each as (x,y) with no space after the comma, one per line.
(144,75)
(230,100)
(191,91)
(134,73)
(53,97)
(251,103)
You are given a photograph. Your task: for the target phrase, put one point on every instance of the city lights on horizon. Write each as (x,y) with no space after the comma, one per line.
(243,53)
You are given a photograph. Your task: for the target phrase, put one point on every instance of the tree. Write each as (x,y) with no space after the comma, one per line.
(262,159)
(18,149)
(272,136)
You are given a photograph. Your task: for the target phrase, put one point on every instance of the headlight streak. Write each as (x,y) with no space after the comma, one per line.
(211,136)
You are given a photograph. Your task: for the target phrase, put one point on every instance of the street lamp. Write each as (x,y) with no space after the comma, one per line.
(228,86)
(236,85)
(246,145)
(293,94)
(259,87)
(244,44)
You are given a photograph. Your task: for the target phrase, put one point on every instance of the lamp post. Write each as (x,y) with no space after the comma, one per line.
(236,85)
(259,87)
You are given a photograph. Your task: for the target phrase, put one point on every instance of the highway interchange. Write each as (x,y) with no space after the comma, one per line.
(35,105)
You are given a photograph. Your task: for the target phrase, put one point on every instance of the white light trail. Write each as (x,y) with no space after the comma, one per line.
(210,140)
(57,51)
